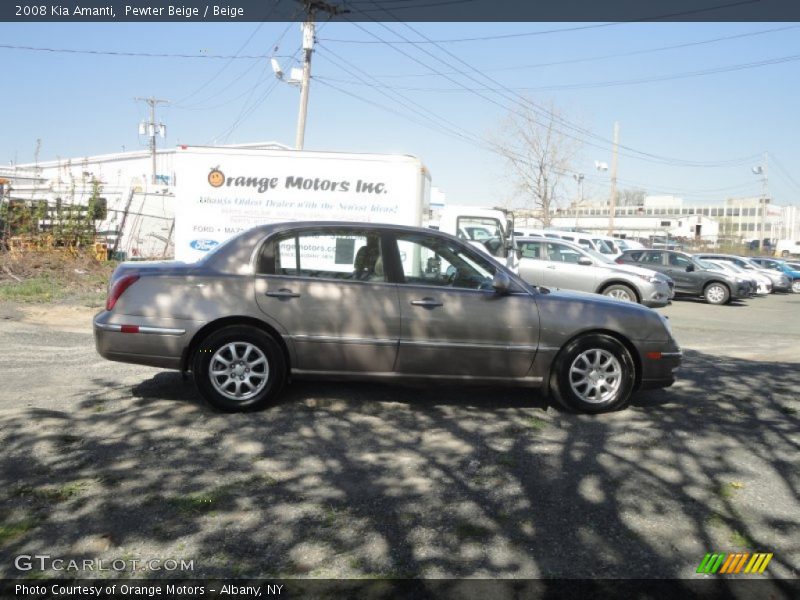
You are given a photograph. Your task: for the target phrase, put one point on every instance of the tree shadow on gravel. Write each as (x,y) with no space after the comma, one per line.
(356,480)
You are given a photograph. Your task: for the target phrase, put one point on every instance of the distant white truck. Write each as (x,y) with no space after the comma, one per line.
(222,191)
(787,248)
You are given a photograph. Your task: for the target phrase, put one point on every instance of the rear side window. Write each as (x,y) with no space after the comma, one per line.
(340,254)
(531,250)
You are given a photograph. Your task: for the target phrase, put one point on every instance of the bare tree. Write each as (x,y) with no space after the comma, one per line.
(539,154)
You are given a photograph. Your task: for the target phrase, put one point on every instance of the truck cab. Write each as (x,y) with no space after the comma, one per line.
(489,229)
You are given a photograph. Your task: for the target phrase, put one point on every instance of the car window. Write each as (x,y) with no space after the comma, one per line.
(651,258)
(676,260)
(562,253)
(433,261)
(343,254)
(531,250)
(635,256)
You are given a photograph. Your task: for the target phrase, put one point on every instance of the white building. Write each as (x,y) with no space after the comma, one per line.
(733,220)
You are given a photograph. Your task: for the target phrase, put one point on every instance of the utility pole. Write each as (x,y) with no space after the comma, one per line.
(311,8)
(763,201)
(579,178)
(152,127)
(612,204)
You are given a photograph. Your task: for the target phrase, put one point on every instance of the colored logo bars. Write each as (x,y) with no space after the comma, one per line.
(733,563)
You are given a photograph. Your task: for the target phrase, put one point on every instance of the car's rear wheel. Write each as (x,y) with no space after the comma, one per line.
(239,368)
(716,293)
(620,292)
(593,373)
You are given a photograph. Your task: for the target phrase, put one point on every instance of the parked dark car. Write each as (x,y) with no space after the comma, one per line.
(691,276)
(381,302)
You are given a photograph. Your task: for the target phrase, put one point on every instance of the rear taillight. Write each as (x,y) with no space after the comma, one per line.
(119,287)
(619,261)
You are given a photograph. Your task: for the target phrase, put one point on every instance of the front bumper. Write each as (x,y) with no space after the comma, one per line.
(659,361)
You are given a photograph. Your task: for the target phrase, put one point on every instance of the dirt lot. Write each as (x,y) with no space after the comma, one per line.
(111,461)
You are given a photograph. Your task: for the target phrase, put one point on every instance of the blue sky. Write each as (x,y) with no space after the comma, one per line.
(80,104)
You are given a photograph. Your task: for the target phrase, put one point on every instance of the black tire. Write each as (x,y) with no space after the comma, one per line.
(796,286)
(716,293)
(265,378)
(568,385)
(621,292)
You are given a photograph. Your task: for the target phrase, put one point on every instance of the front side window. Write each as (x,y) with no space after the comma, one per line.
(338,254)
(676,260)
(432,261)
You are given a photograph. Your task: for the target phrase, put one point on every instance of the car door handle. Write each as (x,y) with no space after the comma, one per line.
(282,293)
(427,303)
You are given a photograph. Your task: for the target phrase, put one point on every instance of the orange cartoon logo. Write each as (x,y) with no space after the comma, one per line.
(216,178)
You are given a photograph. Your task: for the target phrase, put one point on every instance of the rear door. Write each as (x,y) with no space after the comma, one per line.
(453,322)
(533,262)
(327,290)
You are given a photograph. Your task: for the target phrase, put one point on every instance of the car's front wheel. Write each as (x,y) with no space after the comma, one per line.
(239,368)
(593,373)
(620,292)
(796,286)
(716,293)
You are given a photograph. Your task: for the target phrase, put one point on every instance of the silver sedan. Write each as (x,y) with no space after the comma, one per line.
(379,302)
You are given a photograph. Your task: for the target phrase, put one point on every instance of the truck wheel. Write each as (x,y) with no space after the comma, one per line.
(239,368)
(716,293)
(593,374)
(620,292)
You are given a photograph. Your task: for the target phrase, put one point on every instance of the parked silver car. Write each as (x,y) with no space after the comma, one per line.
(560,264)
(381,302)
(780,282)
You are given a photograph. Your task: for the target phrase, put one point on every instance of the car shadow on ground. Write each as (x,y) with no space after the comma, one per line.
(368,480)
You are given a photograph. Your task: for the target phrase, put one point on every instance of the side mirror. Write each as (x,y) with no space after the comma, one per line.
(585,261)
(689,268)
(501,283)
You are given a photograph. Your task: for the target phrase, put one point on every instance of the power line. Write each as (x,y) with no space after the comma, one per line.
(599,84)
(131,54)
(517,100)
(606,56)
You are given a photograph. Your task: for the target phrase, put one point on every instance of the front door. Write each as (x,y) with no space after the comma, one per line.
(453,322)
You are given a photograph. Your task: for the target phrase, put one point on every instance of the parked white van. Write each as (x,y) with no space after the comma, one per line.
(786,248)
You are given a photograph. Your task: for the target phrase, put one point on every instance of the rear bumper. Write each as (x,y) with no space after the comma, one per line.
(153,342)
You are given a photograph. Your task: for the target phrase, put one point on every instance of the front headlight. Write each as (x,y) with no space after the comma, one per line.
(648,278)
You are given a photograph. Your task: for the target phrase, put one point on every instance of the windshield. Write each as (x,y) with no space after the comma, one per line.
(597,256)
(603,246)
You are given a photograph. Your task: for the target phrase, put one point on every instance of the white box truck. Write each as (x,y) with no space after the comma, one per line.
(222,191)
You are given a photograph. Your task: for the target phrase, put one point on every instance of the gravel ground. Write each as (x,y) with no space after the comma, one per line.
(117,462)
